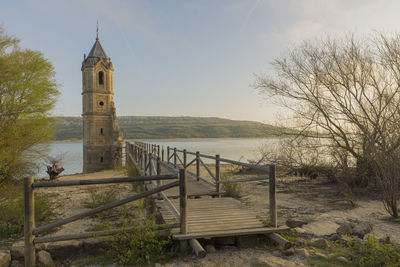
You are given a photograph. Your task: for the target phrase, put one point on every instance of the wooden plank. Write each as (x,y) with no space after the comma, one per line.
(222,233)
(245,179)
(197,248)
(104,181)
(47,239)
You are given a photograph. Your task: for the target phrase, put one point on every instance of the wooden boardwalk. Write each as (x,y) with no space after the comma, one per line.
(207,213)
(213,217)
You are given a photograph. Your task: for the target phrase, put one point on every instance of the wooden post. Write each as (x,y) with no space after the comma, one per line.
(183,200)
(145,163)
(273,213)
(175,157)
(150,161)
(142,159)
(168,154)
(198,165)
(217,174)
(158,169)
(184,159)
(29,222)
(158,150)
(162,153)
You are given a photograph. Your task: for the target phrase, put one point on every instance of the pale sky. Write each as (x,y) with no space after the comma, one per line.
(184,58)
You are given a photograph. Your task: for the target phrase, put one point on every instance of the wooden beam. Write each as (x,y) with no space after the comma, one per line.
(245,179)
(280,240)
(197,248)
(183,200)
(222,233)
(47,239)
(111,205)
(104,181)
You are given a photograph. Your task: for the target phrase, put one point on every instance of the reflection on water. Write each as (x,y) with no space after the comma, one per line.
(236,149)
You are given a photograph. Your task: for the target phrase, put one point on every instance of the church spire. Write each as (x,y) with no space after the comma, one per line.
(97,31)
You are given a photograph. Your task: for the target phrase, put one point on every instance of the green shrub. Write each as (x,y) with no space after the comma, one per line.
(132,170)
(232,189)
(374,253)
(12,209)
(141,246)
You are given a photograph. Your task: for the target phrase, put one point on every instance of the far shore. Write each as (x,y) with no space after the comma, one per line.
(174,139)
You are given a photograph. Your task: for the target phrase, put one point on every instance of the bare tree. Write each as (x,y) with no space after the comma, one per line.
(53,169)
(346,91)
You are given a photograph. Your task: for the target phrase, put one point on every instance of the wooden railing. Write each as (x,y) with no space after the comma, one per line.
(30,230)
(144,154)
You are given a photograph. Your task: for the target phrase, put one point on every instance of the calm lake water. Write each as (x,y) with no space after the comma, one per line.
(235,149)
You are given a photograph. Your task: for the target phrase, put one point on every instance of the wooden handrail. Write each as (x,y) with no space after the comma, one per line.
(47,239)
(111,205)
(104,181)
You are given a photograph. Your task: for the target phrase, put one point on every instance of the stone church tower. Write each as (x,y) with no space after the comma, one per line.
(102,139)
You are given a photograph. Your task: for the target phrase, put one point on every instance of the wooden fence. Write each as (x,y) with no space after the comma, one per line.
(30,230)
(149,155)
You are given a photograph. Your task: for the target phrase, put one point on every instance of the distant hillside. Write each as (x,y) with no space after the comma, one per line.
(172,127)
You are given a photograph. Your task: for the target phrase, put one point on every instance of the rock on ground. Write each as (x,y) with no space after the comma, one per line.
(64,249)
(293,223)
(362,229)
(44,258)
(5,258)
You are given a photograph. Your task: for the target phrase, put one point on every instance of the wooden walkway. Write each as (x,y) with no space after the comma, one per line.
(213,217)
(208,214)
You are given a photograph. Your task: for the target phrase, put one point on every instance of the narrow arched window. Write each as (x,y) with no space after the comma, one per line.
(101,77)
(101,131)
(101,159)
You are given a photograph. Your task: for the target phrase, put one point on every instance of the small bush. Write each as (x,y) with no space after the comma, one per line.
(12,209)
(132,170)
(142,245)
(232,189)
(374,253)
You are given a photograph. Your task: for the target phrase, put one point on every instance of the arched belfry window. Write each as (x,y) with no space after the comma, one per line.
(101,131)
(101,77)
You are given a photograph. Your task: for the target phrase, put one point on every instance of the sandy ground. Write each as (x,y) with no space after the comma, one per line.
(319,202)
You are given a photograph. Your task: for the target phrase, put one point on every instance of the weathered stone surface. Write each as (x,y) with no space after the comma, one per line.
(303,252)
(320,243)
(64,249)
(44,258)
(247,241)
(293,223)
(17,250)
(362,229)
(210,248)
(345,229)
(5,258)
